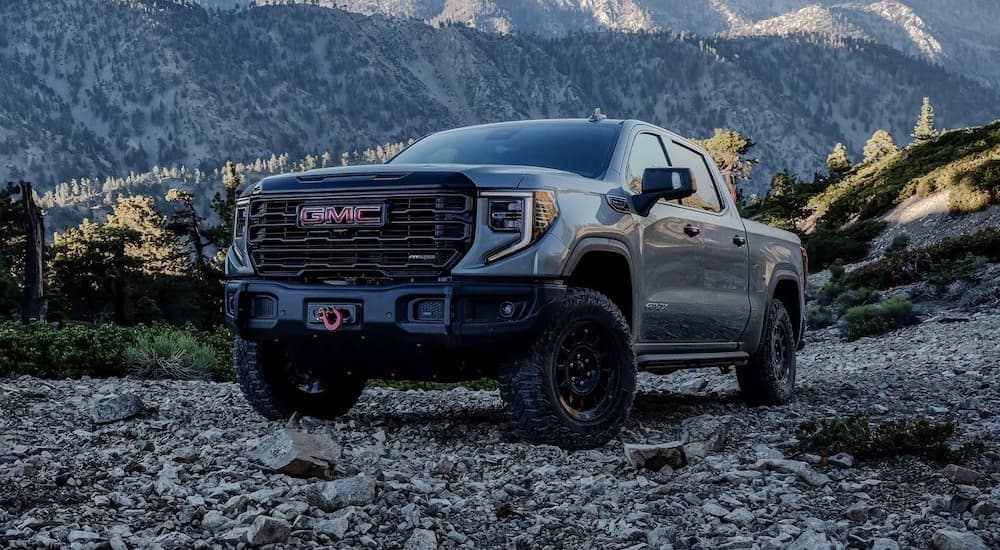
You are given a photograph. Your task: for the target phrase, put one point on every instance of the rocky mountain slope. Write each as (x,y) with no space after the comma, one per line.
(109,87)
(436,469)
(959,35)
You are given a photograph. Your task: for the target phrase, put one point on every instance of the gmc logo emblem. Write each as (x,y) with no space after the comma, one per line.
(370,215)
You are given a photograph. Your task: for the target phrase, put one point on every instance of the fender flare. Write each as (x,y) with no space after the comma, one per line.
(597,244)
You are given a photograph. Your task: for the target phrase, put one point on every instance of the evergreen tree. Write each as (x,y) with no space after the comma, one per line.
(730,150)
(11,251)
(879,146)
(224,205)
(838,162)
(925,130)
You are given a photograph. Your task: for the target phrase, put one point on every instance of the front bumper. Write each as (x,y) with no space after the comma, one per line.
(453,314)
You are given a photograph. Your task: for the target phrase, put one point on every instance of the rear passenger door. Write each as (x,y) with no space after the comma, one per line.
(669,283)
(723,315)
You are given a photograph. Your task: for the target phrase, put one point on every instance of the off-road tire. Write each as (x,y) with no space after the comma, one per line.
(762,381)
(270,391)
(528,381)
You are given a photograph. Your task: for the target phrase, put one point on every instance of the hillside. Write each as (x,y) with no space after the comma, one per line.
(108,87)
(959,35)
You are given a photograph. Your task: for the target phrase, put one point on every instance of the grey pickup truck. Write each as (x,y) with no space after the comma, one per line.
(557,256)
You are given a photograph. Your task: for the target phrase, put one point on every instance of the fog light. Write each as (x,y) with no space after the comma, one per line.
(507,310)
(429,310)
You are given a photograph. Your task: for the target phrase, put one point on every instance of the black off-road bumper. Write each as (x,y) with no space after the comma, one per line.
(394,317)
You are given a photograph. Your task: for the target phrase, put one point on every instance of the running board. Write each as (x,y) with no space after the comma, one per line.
(664,363)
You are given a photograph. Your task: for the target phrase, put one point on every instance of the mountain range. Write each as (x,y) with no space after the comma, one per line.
(99,88)
(961,35)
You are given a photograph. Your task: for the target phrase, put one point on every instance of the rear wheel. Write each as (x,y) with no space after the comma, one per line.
(769,376)
(277,387)
(574,387)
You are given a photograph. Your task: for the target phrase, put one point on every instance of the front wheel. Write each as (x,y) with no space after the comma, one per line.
(769,377)
(276,387)
(574,386)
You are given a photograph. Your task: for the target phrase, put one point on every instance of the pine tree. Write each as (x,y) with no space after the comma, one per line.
(925,130)
(879,146)
(730,150)
(838,161)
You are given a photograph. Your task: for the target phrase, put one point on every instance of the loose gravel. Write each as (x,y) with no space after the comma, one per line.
(446,471)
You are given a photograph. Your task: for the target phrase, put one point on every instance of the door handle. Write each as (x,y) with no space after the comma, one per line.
(691,230)
(739,240)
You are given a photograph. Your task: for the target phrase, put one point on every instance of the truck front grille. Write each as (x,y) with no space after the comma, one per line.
(424,235)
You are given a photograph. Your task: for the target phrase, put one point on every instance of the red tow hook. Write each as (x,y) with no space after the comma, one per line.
(324,313)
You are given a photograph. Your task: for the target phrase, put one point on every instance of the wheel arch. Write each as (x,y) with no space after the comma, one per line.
(602,264)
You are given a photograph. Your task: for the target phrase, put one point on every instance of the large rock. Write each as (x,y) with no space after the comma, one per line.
(106,409)
(811,540)
(946,539)
(421,539)
(709,430)
(961,475)
(330,496)
(655,457)
(297,453)
(802,470)
(268,530)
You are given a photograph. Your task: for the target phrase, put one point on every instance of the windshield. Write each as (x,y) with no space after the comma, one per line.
(579,147)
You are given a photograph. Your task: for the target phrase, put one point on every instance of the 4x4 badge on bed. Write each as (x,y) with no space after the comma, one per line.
(368,215)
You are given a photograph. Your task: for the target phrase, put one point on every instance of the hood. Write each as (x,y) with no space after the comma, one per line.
(390,176)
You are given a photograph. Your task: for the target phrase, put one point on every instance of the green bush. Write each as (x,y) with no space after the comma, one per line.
(899,244)
(859,437)
(818,317)
(914,265)
(162,353)
(74,351)
(825,246)
(875,319)
(70,351)
(966,198)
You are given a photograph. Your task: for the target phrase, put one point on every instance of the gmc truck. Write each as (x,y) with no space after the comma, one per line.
(557,256)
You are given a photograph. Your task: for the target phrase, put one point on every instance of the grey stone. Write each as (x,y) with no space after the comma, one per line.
(297,453)
(709,430)
(983,509)
(884,544)
(946,539)
(714,509)
(333,495)
(335,528)
(842,460)
(811,540)
(800,469)
(740,516)
(654,457)
(421,539)
(115,407)
(81,536)
(268,530)
(960,474)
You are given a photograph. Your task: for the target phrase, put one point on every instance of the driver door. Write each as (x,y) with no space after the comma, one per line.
(670,275)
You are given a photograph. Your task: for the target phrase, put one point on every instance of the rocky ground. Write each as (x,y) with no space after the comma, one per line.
(440,469)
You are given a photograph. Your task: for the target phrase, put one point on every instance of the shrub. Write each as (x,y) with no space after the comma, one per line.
(818,317)
(850,243)
(875,319)
(160,353)
(70,351)
(914,265)
(966,198)
(74,351)
(899,244)
(858,436)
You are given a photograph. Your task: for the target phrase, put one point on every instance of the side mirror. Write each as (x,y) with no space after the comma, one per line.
(663,183)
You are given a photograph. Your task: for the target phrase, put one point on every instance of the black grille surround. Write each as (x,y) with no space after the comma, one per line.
(426,232)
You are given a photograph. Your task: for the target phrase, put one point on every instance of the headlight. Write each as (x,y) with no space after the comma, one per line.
(524,214)
(240,219)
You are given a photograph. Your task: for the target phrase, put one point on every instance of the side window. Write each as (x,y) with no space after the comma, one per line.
(707,196)
(647,152)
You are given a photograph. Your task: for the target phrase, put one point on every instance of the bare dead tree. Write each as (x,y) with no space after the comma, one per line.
(33,304)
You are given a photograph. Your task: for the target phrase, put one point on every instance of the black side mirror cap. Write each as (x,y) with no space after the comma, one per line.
(663,183)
